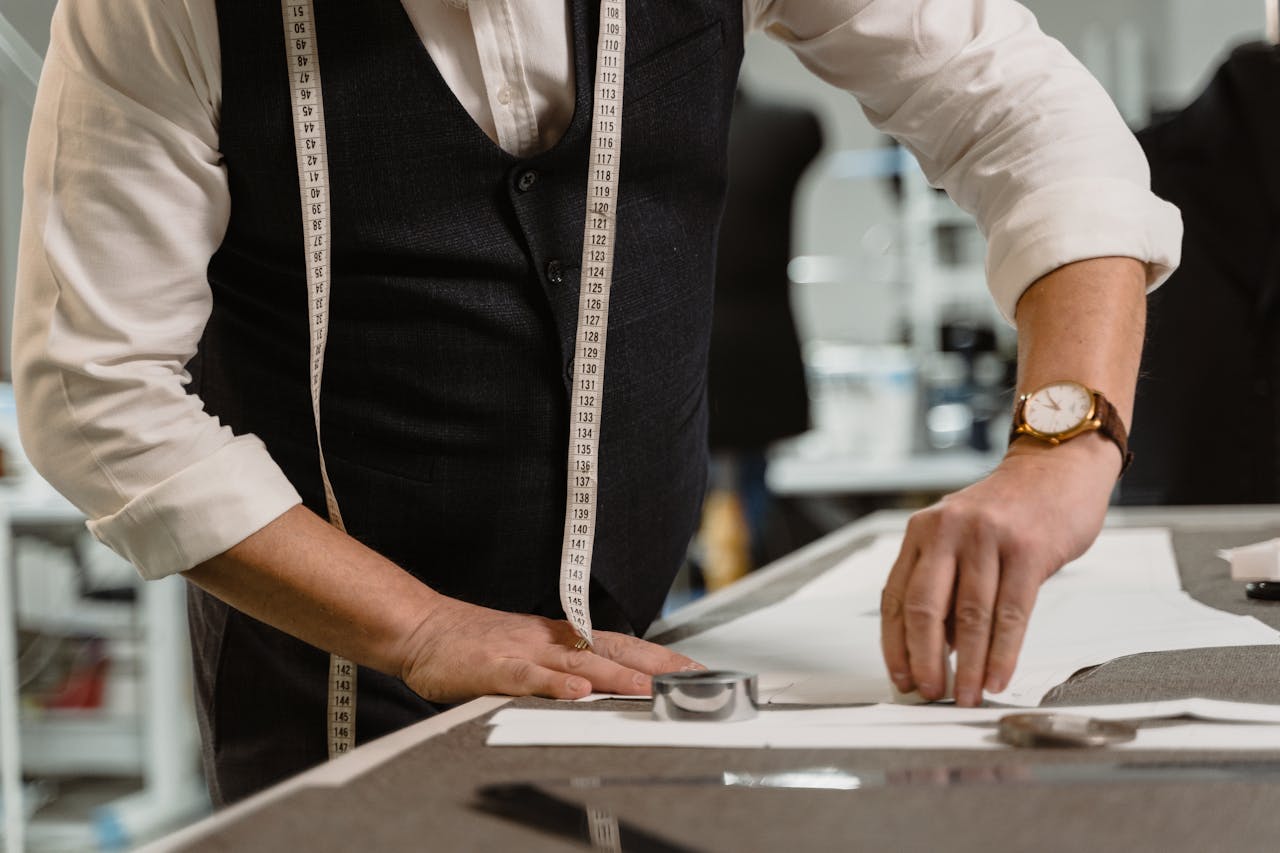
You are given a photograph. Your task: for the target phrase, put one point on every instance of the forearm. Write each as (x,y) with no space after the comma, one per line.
(307,578)
(1084,322)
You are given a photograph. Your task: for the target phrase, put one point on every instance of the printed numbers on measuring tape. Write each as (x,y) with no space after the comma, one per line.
(587,392)
(307,101)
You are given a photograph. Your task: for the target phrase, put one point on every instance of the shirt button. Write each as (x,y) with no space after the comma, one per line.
(555,272)
(504,95)
(525,182)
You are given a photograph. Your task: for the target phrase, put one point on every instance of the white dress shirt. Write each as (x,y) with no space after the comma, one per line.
(127,200)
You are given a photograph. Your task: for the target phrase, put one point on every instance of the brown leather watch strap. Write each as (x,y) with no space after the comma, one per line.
(1113,428)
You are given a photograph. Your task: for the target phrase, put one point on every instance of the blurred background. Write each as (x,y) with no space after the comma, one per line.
(858,365)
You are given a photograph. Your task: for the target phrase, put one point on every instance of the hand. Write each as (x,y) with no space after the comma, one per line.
(971,565)
(460,651)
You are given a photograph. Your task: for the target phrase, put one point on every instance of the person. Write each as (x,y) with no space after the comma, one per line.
(160,349)
(1213,332)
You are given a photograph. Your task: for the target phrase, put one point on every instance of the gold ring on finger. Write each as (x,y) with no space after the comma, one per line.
(582,644)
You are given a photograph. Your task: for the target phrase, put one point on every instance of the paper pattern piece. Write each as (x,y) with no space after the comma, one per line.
(821,645)
(1229,726)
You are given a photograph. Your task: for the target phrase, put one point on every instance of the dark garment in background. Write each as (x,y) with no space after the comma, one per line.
(1206,427)
(756,379)
(453,314)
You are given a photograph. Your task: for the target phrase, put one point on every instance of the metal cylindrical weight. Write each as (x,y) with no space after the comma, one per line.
(707,696)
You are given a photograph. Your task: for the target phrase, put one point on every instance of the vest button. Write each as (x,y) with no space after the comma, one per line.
(525,182)
(555,272)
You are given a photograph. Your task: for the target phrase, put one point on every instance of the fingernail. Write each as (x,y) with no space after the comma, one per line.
(901,680)
(578,685)
(640,680)
(967,696)
(694,667)
(927,688)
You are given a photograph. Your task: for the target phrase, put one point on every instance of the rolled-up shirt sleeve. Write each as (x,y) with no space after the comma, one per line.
(125,201)
(999,115)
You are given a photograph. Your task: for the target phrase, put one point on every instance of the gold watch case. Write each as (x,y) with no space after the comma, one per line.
(1088,423)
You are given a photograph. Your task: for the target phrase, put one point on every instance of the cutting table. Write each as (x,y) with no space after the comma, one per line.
(421,788)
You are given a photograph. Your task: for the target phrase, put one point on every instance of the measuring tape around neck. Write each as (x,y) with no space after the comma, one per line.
(309,139)
(587,393)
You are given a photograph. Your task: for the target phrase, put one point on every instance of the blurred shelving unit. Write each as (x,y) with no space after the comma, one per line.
(873,402)
(19,73)
(151,739)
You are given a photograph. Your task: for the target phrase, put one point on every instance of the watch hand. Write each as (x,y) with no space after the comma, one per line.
(1052,402)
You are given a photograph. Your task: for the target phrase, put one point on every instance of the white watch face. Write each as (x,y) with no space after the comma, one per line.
(1057,408)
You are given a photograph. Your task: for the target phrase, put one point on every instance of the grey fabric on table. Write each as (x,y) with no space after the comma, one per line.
(425,797)
(1250,674)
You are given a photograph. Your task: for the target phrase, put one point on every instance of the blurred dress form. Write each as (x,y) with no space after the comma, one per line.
(1207,416)
(756,376)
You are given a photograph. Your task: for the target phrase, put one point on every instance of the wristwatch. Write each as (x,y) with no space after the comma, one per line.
(1062,410)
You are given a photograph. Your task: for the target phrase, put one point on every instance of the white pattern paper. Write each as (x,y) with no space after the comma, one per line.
(1213,725)
(821,645)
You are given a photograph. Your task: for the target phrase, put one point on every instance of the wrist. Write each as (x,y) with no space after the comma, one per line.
(1091,451)
(415,644)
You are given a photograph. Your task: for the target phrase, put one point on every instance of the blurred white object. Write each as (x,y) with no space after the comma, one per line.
(1258,562)
(864,399)
(949,424)
(948,693)
(46,581)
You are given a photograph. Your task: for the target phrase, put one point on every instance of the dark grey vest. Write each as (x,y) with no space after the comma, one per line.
(454,302)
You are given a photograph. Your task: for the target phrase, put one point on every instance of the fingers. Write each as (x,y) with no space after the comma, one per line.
(979,575)
(1019,584)
(966,572)
(958,577)
(559,671)
(519,677)
(893,639)
(925,604)
(913,612)
(605,676)
(618,664)
(641,656)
